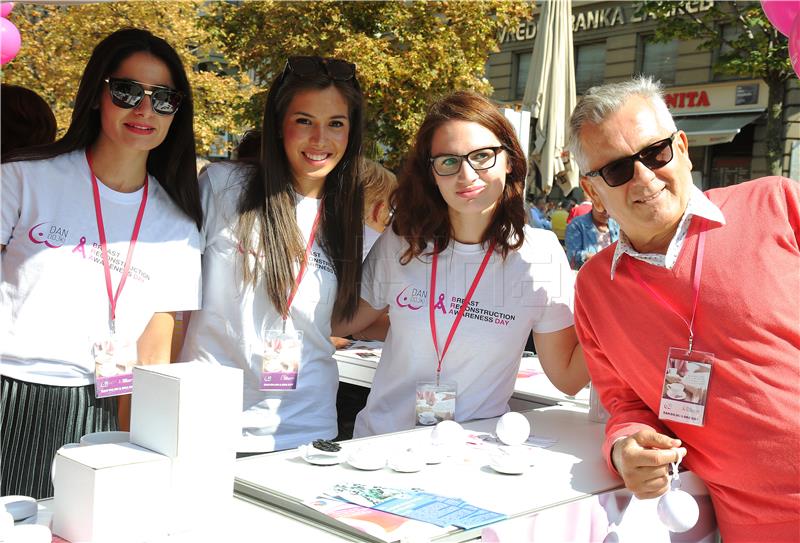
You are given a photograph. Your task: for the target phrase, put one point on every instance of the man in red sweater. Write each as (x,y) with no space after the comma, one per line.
(690,323)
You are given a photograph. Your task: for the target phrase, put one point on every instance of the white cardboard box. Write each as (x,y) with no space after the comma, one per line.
(191,412)
(115,492)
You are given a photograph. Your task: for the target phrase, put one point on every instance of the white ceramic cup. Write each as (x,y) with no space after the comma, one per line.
(675,388)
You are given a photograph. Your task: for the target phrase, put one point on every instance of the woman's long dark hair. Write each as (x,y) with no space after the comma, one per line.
(421,213)
(267,221)
(173,162)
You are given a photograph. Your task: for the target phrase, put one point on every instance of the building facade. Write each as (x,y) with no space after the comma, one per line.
(723,117)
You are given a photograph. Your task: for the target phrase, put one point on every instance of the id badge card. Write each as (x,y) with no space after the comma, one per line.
(114,358)
(281,360)
(435,402)
(684,394)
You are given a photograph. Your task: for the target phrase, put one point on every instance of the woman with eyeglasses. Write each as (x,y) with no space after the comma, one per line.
(465,280)
(283,255)
(100,245)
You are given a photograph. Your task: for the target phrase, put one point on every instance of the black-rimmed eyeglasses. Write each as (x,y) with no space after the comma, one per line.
(127,94)
(654,156)
(304,67)
(479,159)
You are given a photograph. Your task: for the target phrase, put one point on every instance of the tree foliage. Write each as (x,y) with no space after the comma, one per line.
(751,48)
(407,53)
(58,40)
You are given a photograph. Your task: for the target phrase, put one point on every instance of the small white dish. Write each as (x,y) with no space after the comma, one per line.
(407,462)
(511,469)
(511,460)
(367,460)
(20,507)
(314,456)
(679,396)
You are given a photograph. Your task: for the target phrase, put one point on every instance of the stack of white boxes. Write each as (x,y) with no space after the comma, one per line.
(177,472)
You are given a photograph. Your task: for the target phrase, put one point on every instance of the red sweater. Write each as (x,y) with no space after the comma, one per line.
(748,315)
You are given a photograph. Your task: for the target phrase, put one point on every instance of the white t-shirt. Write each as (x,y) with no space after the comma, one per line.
(229,328)
(531,290)
(53,298)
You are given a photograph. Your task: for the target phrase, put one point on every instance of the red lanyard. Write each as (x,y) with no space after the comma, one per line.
(304,263)
(698,272)
(112,298)
(464,304)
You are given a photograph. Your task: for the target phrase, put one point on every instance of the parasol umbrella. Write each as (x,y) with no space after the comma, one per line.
(550,94)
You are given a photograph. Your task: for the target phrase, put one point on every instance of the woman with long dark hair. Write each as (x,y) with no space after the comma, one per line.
(283,255)
(100,245)
(465,280)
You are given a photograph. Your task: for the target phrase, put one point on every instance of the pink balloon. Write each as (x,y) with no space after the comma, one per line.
(5,8)
(781,13)
(10,40)
(794,45)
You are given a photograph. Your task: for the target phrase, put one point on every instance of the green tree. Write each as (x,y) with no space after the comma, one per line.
(751,47)
(58,40)
(407,53)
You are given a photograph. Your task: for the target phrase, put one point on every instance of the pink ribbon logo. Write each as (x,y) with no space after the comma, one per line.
(81,247)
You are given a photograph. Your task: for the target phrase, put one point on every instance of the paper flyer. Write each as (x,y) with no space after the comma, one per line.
(416,504)
(379,524)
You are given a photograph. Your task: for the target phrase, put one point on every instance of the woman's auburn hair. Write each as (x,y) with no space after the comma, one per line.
(421,213)
(267,223)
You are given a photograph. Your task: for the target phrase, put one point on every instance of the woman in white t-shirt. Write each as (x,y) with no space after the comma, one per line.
(100,245)
(282,255)
(459,231)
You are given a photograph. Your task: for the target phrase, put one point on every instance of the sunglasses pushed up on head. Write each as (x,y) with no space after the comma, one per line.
(309,66)
(620,171)
(127,94)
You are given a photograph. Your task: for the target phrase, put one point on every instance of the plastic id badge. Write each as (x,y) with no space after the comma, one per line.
(684,394)
(281,360)
(435,402)
(114,358)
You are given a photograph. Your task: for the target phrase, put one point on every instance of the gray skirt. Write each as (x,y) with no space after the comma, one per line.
(36,421)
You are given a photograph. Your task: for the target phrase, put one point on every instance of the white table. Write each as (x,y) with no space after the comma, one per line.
(569,490)
(570,470)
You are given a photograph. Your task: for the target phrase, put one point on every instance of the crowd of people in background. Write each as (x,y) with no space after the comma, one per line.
(300,239)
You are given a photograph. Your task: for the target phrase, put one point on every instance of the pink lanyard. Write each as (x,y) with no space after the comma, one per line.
(112,298)
(698,272)
(304,263)
(463,308)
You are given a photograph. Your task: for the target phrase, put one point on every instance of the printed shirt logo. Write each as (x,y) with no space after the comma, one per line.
(51,235)
(413,300)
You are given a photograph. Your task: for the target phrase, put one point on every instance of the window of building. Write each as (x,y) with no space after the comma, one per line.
(729,33)
(659,59)
(523,67)
(590,66)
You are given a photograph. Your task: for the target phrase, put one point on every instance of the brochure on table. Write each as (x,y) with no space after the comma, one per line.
(361,351)
(569,469)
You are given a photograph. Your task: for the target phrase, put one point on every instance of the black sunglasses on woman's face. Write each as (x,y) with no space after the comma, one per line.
(620,171)
(127,94)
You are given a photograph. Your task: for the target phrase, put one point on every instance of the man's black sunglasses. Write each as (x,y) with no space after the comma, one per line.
(654,156)
(304,67)
(127,94)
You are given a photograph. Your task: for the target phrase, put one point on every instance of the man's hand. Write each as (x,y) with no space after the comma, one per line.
(643,460)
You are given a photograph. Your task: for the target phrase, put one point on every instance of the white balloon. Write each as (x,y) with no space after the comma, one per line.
(513,428)
(678,510)
(447,432)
